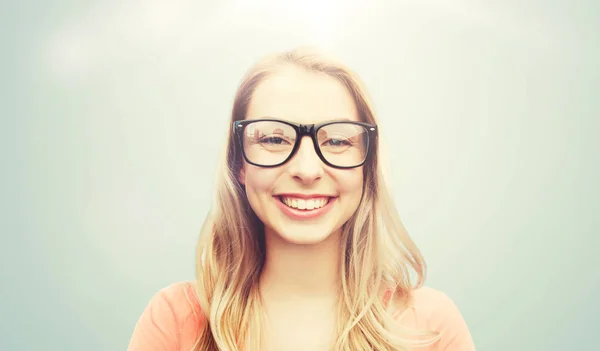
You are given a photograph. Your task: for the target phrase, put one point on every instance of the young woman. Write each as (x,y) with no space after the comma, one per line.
(304,249)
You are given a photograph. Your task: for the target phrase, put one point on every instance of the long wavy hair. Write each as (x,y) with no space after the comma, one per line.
(378,254)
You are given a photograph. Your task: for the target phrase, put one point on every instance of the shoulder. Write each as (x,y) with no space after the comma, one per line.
(433,310)
(170,321)
(179,298)
(434,306)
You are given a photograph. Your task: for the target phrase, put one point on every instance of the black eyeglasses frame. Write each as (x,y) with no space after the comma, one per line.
(303,130)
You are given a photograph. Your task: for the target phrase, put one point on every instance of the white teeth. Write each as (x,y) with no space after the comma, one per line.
(305,204)
(301,204)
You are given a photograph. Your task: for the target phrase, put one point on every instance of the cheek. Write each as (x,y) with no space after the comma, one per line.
(259,179)
(350,184)
(259,183)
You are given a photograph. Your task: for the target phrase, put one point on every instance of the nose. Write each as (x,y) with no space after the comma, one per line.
(306,166)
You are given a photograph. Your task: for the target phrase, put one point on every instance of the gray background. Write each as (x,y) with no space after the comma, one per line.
(113,112)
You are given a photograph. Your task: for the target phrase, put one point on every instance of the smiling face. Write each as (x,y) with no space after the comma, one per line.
(303,201)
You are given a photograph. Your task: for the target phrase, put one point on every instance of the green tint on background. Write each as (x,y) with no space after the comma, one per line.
(113,114)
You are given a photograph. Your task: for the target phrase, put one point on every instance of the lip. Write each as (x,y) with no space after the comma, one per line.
(303,214)
(304,196)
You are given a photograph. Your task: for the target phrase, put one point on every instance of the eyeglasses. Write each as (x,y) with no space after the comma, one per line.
(271,142)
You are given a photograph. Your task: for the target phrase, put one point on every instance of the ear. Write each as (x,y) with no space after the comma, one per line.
(242,175)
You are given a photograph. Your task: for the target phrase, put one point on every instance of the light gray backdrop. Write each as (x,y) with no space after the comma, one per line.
(113,112)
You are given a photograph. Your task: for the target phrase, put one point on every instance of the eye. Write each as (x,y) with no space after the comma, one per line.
(337,142)
(273,140)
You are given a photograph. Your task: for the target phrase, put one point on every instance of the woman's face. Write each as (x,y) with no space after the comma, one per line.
(278,194)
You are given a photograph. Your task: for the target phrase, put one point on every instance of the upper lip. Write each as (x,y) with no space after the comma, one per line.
(304,196)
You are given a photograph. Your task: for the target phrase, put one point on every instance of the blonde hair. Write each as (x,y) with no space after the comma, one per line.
(377,251)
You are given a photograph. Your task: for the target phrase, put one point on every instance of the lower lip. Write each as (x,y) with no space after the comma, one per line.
(304,214)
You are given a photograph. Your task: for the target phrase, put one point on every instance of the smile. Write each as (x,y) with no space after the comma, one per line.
(304,204)
(304,207)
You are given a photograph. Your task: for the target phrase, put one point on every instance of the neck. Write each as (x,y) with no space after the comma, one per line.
(301,271)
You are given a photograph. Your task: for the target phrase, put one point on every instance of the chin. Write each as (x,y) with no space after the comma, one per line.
(305,235)
(304,239)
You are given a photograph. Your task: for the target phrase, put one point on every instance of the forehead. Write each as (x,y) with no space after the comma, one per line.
(297,95)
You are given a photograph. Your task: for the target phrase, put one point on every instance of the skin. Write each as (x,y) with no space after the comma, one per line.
(300,280)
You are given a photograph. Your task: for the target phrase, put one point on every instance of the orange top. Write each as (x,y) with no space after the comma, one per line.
(169,324)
